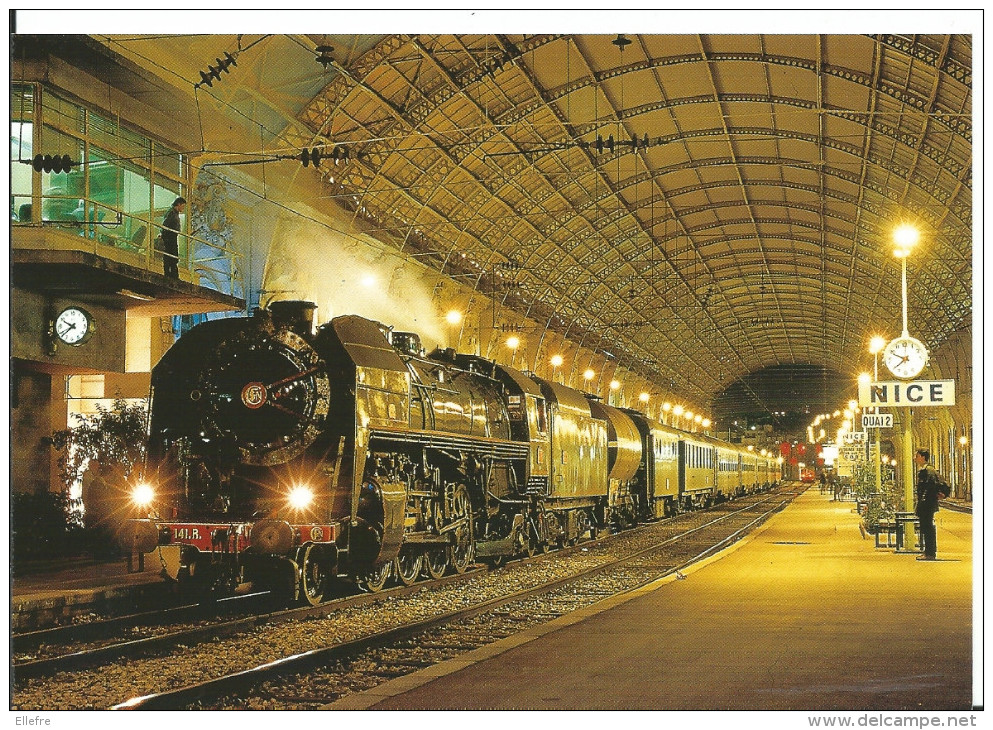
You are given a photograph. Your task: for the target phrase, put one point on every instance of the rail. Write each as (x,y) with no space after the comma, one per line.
(240,682)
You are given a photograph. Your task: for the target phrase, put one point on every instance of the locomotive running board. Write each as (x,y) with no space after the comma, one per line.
(481,445)
(424,538)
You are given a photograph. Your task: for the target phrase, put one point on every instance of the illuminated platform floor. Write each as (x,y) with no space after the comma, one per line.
(58,595)
(805,614)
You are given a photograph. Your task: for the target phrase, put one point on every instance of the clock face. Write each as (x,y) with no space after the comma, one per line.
(73,326)
(905,357)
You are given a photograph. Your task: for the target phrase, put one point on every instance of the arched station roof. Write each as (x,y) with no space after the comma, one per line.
(703,207)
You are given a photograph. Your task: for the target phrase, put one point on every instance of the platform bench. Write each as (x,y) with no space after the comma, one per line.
(886,529)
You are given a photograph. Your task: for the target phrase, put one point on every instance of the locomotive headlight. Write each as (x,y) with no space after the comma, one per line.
(143,494)
(301,497)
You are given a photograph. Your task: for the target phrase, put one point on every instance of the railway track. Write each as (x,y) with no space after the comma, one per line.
(220,648)
(66,648)
(63,648)
(324,675)
(955,506)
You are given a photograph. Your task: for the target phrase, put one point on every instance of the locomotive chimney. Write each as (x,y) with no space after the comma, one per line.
(296,315)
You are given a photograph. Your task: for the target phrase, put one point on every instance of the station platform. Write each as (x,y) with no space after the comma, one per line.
(41,598)
(804,614)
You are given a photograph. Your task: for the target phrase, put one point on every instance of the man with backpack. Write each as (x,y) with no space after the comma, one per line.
(930,488)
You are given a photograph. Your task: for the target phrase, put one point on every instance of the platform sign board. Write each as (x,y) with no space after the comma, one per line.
(854,437)
(913,393)
(852,453)
(877,420)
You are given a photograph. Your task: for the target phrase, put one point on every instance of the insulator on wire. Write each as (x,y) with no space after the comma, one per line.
(312,155)
(50,163)
(600,143)
(317,154)
(207,77)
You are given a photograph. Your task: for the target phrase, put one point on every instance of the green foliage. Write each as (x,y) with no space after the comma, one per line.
(42,524)
(880,505)
(46,525)
(114,436)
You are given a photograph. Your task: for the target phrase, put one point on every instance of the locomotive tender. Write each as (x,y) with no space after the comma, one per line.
(288,458)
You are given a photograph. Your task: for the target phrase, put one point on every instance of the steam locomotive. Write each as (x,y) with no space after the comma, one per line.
(291,458)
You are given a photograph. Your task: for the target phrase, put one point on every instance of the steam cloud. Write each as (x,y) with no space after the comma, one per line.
(343,275)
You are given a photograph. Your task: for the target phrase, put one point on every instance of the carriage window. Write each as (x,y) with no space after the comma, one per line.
(542,425)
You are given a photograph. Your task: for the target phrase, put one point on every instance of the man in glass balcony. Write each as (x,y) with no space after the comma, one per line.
(170,238)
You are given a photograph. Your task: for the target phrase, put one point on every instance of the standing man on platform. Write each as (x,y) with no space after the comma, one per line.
(170,238)
(930,488)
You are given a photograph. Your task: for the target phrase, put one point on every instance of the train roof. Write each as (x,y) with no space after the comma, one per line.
(565,396)
(657,426)
(522,381)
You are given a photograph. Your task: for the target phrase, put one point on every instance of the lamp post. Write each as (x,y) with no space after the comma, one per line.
(906,238)
(964,482)
(876,344)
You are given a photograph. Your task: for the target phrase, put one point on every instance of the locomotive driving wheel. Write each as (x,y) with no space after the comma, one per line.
(407,567)
(462,554)
(436,563)
(373,579)
(536,542)
(315,574)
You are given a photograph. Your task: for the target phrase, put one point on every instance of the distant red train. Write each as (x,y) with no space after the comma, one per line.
(807,476)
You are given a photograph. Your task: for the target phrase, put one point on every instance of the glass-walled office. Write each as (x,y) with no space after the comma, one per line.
(118,195)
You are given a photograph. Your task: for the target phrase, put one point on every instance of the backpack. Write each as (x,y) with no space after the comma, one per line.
(943,489)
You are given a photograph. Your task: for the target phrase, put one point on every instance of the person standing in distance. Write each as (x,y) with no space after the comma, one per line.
(930,488)
(170,238)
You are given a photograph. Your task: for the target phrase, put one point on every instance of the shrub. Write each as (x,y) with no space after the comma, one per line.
(42,525)
(115,437)
(48,524)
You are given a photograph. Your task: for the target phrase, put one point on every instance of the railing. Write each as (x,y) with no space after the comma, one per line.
(106,232)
